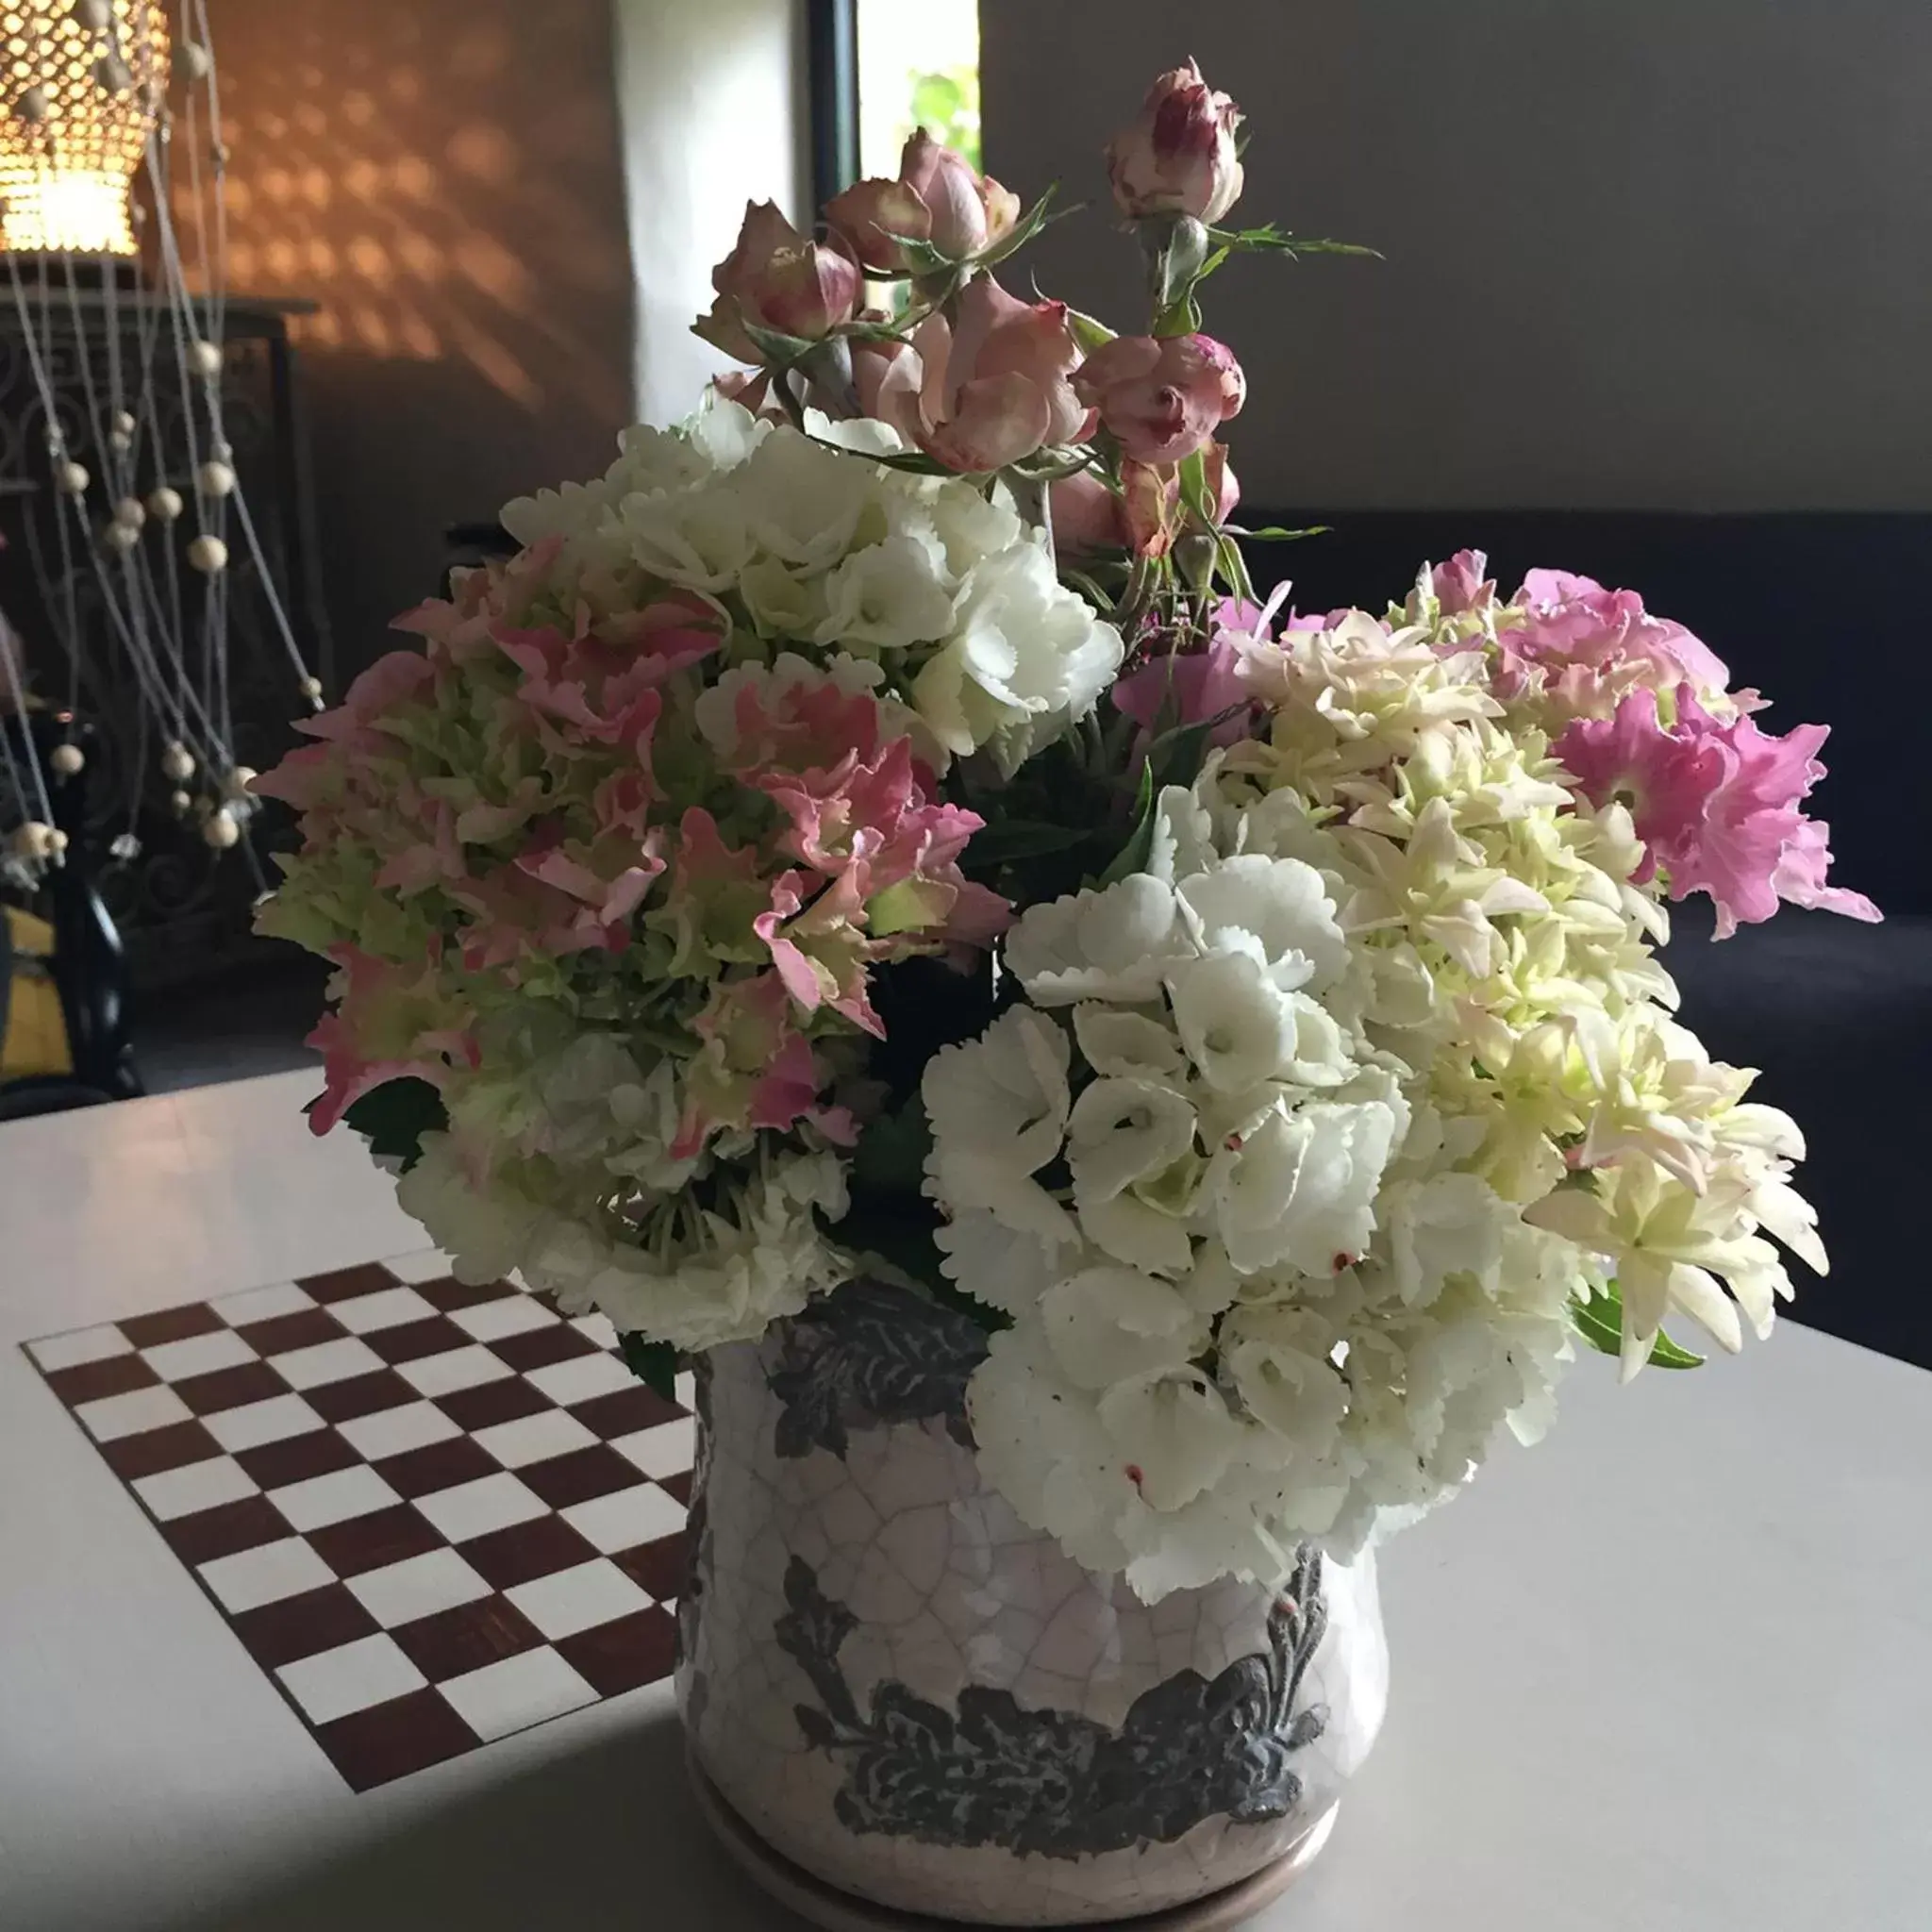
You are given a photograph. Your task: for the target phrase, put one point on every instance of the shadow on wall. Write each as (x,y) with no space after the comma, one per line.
(445,181)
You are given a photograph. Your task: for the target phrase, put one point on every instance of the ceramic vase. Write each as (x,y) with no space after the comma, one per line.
(914,1700)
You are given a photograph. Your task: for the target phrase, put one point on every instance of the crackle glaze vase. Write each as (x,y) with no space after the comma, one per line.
(897,1686)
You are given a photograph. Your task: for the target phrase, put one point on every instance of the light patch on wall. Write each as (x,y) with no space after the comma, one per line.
(387,165)
(917,66)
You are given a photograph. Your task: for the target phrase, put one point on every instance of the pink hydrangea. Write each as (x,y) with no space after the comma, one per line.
(753,1068)
(1587,646)
(819,946)
(795,717)
(393,1023)
(1463,584)
(1716,802)
(498,802)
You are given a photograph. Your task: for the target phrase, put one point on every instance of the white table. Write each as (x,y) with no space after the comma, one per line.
(1672,1670)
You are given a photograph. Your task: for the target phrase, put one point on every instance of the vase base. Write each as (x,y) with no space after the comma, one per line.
(819,1903)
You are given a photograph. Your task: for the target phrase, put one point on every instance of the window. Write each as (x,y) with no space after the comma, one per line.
(918,67)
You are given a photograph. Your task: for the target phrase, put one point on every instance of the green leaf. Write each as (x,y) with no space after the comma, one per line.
(1024,230)
(1132,857)
(1234,568)
(1273,533)
(1180,317)
(908,460)
(890,1155)
(1007,840)
(1079,580)
(654,1364)
(1600,1321)
(1178,267)
(1601,1330)
(920,256)
(778,349)
(1088,332)
(1192,477)
(1176,756)
(1665,1354)
(1271,240)
(394,1117)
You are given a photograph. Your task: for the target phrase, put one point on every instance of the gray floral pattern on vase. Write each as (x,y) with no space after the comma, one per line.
(900,1687)
(1054,1782)
(697,1545)
(869,1356)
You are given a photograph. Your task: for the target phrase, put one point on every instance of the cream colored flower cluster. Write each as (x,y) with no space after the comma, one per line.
(1308,1138)
(1549,1046)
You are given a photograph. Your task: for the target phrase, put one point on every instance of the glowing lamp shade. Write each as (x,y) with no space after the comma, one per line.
(77,110)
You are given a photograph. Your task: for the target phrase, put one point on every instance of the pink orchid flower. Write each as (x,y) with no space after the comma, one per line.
(1577,631)
(1716,803)
(1463,583)
(1179,689)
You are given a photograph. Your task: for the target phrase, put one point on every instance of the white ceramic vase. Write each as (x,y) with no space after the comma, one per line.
(900,1688)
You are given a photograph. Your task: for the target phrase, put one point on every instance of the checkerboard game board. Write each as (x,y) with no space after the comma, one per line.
(434,1514)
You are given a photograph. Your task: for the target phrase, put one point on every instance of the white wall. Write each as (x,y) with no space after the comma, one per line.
(1667,253)
(713,100)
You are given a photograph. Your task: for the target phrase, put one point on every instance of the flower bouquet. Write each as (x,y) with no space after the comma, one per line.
(872,898)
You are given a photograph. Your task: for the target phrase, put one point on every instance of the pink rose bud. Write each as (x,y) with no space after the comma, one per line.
(1087,516)
(986,392)
(1162,397)
(776,280)
(969,213)
(875,217)
(1178,158)
(1222,485)
(872,357)
(1002,211)
(938,200)
(1152,506)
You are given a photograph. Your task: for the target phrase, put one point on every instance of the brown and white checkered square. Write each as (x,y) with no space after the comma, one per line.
(433,1513)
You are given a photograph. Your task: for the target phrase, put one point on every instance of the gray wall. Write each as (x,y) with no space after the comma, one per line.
(1662,253)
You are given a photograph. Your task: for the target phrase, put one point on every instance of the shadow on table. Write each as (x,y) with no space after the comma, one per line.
(604,1837)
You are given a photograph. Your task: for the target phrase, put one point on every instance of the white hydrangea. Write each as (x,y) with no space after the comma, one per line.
(708,1274)
(1249,1304)
(693,1274)
(562,1164)
(809,545)
(1022,658)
